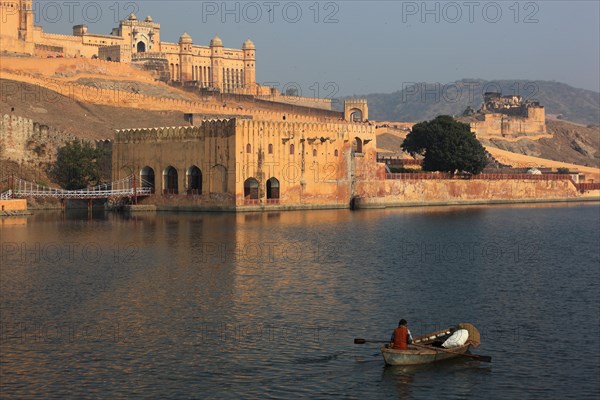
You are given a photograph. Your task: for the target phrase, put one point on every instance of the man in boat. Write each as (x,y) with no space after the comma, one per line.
(401,337)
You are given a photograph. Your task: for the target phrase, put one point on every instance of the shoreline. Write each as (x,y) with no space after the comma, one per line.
(359,206)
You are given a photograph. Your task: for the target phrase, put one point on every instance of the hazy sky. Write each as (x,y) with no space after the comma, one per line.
(374,46)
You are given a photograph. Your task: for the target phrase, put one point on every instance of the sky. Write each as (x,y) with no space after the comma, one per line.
(342,48)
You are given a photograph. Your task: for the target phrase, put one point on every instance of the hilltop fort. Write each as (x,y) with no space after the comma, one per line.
(212,68)
(507,116)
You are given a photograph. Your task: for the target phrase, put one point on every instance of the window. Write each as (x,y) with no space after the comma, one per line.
(248,148)
(292,149)
(270,148)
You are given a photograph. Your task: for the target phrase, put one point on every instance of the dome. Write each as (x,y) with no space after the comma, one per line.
(216,41)
(248,45)
(185,38)
(148,19)
(132,17)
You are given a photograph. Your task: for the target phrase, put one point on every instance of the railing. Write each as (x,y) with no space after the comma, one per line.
(251,202)
(148,55)
(6,195)
(583,187)
(399,161)
(445,175)
(123,188)
(272,201)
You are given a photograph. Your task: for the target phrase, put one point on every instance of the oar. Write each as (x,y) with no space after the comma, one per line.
(475,356)
(363,341)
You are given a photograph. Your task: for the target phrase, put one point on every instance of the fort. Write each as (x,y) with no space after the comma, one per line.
(212,68)
(239,146)
(507,116)
(232,163)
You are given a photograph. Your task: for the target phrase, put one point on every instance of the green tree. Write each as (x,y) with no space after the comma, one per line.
(76,165)
(447,145)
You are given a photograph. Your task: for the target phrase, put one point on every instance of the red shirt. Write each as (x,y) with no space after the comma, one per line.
(400,338)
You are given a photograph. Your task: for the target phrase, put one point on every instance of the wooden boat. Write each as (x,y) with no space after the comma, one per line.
(427,348)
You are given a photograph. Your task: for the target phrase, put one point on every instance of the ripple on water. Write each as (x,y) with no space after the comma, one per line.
(173,320)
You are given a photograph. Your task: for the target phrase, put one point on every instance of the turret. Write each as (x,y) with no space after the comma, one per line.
(249,64)
(26,19)
(216,56)
(185,57)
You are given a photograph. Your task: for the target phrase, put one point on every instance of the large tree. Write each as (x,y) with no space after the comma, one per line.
(76,165)
(447,145)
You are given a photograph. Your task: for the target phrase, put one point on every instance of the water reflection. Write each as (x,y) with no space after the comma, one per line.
(251,305)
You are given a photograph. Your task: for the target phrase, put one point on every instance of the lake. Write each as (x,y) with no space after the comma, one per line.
(201,305)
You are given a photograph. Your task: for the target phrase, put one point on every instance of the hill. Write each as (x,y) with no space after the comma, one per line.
(570,143)
(84,120)
(424,101)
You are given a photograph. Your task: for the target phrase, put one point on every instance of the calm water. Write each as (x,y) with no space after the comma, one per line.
(267,305)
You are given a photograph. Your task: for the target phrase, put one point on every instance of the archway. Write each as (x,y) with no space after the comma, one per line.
(357,145)
(273,189)
(356,110)
(141,47)
(251,189)
(147,178)
(194,180)
(170,181)
(356,115)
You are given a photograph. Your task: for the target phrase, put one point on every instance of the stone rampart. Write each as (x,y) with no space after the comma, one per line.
(397,193)
(24,141)
(120,98)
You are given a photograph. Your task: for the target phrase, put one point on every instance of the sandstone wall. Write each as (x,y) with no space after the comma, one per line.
(96,95)
(13,205)
(509,125)
(312,102)
(309,163)
(24,141)
(456,191)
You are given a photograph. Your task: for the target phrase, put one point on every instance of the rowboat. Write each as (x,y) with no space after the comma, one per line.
(427,348)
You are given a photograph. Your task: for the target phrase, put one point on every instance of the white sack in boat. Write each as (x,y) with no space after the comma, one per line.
(457,339)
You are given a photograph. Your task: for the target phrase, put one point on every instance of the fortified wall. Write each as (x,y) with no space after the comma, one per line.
(245,163)
(24,141)
(507,116)
(419,192)
(121,98)
(34,145)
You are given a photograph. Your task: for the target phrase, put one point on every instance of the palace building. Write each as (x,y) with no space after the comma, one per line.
(212,67)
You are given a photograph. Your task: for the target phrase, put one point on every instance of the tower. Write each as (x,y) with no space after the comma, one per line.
(185,57)
(356,110)
(249,65)
(26,19)
(216,58)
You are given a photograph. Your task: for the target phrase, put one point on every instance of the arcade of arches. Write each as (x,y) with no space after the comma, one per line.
(194,182)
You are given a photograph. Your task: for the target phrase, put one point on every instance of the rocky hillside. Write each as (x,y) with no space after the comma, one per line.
(428,100)
(570,143)
(84,120)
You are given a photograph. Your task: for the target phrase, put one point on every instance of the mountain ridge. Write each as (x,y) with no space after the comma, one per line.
(422,101)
